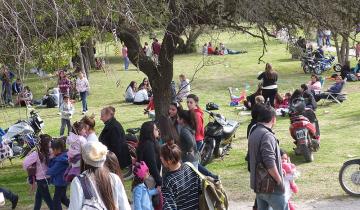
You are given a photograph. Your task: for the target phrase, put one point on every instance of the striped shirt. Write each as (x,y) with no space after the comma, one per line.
(181,189)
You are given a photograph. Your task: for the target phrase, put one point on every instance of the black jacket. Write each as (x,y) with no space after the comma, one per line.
(188,145)
(268,81)
(148,152)
(113,136)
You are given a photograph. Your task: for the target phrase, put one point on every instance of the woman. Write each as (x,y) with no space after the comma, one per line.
(181,185)
(314,85)
(113,136)
(269,86)
(83,87)
(141,97)
(106,186)
(168,131)
(174,108)
(146,85)
(113,165)
(130,92)
(25,98)
(250,100)
(63,85)
(148,150)
(193,105)
(90,128)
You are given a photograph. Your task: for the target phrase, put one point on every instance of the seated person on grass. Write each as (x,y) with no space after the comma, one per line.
(141,97)
(50,99)
(250,100)
(282,102)
(17,87)
(334,89)
(25,97)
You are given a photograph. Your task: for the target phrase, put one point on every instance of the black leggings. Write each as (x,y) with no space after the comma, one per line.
(269,94)
(141,103)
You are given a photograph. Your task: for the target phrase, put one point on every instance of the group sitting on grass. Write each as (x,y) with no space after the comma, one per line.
(208,49)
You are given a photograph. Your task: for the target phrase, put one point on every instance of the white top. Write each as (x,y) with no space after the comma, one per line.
(67,110)
(82,85)
(129,94)
(184,88)
(77,194)
(141,96)
(148,51)
(92,137)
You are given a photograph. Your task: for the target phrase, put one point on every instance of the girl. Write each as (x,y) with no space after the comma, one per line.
(67,110)
(168,131)
(57,166)
(113,165)
(74,141)
(174,108)
(89,123)
(82,86)
(184,87)
(130,92)
(146,85)
(141,194)
(193,105)
(314,85)
(107,186)
(269,86)
(63,85)
(40,158)
(289,171)
(181,185)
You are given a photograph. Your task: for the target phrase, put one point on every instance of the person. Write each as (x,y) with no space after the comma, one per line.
(83,87)
(89,122)
(193,105)
(50,99)
(319,53)
(345,70)
(181,186)
(210,49)
(107,186)
(167,130)
(124,52)
(146,85)
(269,87)
(142,195)
(57,167)
(282,102)
(25,97)
(141,97)
(357,50)
(12,197)
(184,87)
(130,92)
(301,42)
(148,150)
(259,100)
(289,172)
(66,110)
(6,76)
(264,149)
(74,141)
(147,50)
(250,100)
(40,158)
(174,108)
(327,34)
(356,69)
(320,36)
(334,89)
(156,48)
(17,87)
(314,85)
(308,97)
(113,165)
(64,86)
(204,50)
(113,137)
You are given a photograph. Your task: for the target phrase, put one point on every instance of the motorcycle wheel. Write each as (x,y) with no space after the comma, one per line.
(317,70)
(207,151)
(306,69)
(337,67)
(349,178)
(306,151)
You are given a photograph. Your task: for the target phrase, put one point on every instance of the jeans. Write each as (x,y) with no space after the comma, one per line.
(42,193)
(65,122)
(6,93)
(60,197)
(271,201)
(328,41)
(206,172)
(199,145)
(83,96)
(61,99)
(126,63)
(8,194)
(269,94)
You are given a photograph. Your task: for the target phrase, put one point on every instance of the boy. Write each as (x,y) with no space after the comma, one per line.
(66,110)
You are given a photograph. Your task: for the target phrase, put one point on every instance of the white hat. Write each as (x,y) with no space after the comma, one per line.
(94,153)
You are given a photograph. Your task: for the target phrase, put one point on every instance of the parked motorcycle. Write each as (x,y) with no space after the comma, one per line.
(219,134)
(326,64)
(308,64)
(349,177)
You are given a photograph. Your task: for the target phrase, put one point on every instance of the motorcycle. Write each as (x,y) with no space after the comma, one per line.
(326,64)
(308,64)
(349,177)
(219,134)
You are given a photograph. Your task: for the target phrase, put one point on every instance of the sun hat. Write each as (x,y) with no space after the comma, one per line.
(94,154)
(140,170)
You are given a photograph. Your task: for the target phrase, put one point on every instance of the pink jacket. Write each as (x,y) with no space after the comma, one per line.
(41,168)
(314,86)
(75,142)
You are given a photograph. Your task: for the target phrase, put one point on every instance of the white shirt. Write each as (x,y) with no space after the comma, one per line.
(82,85)
(119,194)
(92,137)
(141,96)
(129,94)
(184,88)
(148,51)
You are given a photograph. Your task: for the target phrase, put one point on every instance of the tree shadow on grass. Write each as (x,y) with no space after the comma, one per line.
(286,60)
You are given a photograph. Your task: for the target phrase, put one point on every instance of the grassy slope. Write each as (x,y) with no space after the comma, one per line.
(339,124)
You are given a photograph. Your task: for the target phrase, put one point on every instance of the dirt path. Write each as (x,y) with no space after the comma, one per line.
(330,204)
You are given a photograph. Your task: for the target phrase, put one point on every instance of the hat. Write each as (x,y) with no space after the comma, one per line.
(140,170)
(94,154)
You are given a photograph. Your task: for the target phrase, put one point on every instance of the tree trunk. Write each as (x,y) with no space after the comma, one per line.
(90,52)
(190,45)
(338,54)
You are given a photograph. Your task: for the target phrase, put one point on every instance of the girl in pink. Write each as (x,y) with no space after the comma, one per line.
(39,160)
(289,171)
(314,85)
(74,141)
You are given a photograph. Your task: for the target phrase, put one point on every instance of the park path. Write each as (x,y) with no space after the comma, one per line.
(328,204)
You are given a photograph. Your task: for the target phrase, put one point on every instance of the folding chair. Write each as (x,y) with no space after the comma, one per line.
(336,97)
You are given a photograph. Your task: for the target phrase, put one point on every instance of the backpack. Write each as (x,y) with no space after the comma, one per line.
(213,196)
(91,201)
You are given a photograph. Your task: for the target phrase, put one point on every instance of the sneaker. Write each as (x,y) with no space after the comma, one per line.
(11,104)
(14,202)
(84,112)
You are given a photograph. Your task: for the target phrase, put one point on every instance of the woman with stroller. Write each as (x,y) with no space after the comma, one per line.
(269,87)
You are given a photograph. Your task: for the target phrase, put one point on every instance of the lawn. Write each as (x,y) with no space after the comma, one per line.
(318,180)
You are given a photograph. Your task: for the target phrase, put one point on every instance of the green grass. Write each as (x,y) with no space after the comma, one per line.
(339,124)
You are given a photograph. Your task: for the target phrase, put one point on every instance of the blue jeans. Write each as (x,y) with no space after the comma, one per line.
(60,197)
(199,145)
(126,63)
(271,201)
(328,40)
(6,92)
(42,193)
(67,123)
(83,96)
(206,172)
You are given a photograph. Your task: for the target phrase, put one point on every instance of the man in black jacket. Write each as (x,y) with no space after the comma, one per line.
(113,136)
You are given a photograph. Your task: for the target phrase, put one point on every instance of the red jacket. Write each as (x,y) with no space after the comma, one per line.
(199,133)
(156,48)
(302,122)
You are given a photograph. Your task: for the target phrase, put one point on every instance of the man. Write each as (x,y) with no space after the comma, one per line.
(334,89)
(124,51)
(6,76)
(263,148)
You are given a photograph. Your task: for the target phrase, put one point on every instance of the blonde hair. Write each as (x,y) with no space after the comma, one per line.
(89,121)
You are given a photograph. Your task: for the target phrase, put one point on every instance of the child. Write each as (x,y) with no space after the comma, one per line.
(282,104)
(289,171)
(141,194)
(57,166)
(82,86)
(40,159)
(74,141)
(184,87)
(66,110)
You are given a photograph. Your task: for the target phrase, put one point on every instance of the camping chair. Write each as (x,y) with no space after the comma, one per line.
(336,97)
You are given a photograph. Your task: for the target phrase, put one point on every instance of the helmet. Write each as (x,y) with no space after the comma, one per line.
(140,170)
(211,106)
(297,106)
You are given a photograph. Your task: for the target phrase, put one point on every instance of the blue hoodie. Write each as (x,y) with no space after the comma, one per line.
(56,170)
